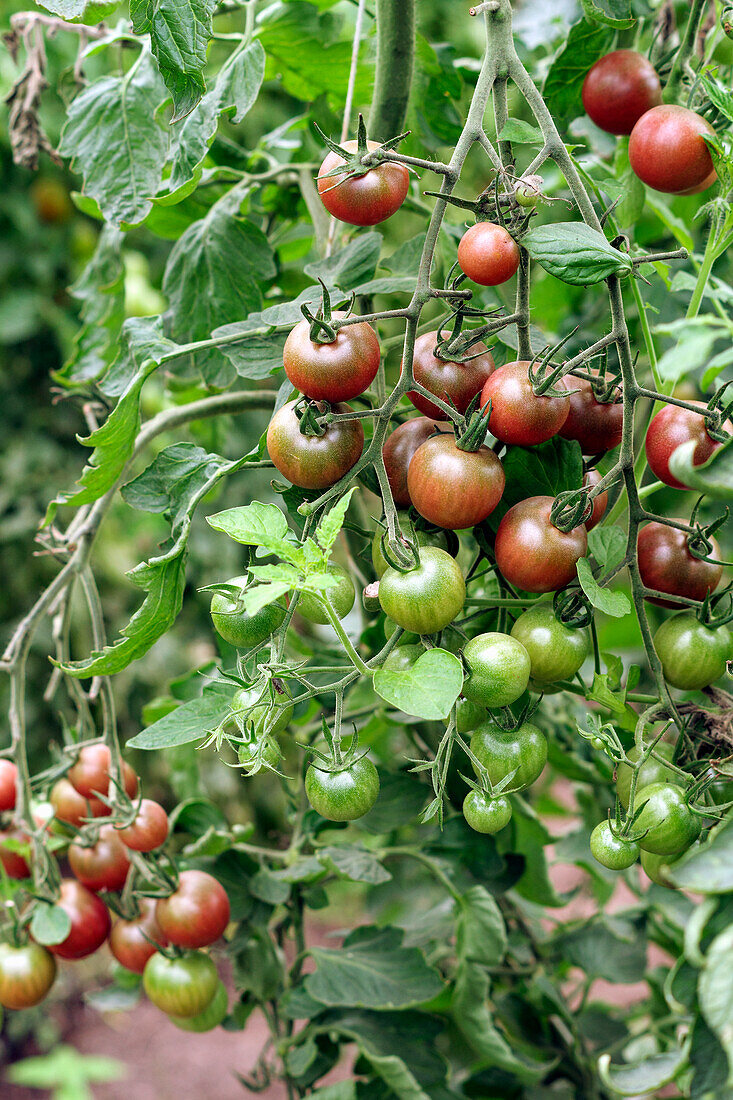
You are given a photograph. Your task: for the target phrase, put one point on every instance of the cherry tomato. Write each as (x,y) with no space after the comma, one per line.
(248,753)
(15,863)
(556,651)
(344,795)
(517,414)
(89,775)
(619,89)
(612,851)
(236,626)
(313,461)
(428,597)
(651,771)
(342,597)
(669,429)
(485,814)
(102,866)
(196,913)
(128,942)
(693,656)
(597,425)
(600,503)
(214,1013)
(26,974)
(403,657)
(488,254)
(668,824)
(424,538)
(257,712)
(182,986)
(8,784)
(90,921)
(399,447)
(522,751)
(450,381)
(498,669)
(531,553)
(666,564)
(469,715)
(667,150)
(336,371)
(70,807)
(149,829)
(367,199)
(657,868)
(453,488)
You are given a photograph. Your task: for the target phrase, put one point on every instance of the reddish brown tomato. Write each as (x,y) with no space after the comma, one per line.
(89,775)
(666,564)
(619,89)
(596,425)
(456,382)
(669,429)
(149,829)
(70,807)
(531,553)
(452,488)
(667,150)
(101,866)
(600,503)
(488,254)
(90,921)
(8,782)
(332,372)
(26,974)
(14,862)
(313,461)
(127,940)
(196,913)
(362,200)
(398,450)
(518,415)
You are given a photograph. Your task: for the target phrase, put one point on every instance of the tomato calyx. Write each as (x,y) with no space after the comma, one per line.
(572,608)
(401,553)
(364,159)
(571,508)
(471,434)
(313,417)
(338,761)
(323,330)
(543,374)
(718,413)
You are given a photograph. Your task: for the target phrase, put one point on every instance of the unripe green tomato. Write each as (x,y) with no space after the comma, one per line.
(657,868)
(344,795)
(522,751)
(611,851)
(498,669)
(469,715)
(236,626)
(668,824)
(428,597)
(253,709)
(424,538)
(181,986)
(342,597)
(485,814)
(651,771)
(210,1018)
(403,657)
(556,651)
(528,190)
(693,655)
(247,753)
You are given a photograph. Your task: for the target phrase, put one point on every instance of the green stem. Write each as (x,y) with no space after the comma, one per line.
(395,63)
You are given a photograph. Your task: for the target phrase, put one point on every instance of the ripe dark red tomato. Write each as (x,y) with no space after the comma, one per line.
(488,254)
(127,940)
(70,807)
(517,414)
(596,426)
(90,921)
(101,866)
(14,862)
(600,503)
(313,461)
(196,913)
(452,488)
(666,564)
(362,200)
(531,553)
(332,372)
(399,447)
(89,774)
(669,429)
(459,382)
(149,829)
(667,150)
(26,974)
(619,89)
(8,782)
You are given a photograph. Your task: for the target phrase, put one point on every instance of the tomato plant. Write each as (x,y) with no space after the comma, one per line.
(133,942)
(313,461)
(232,622)
(454,382)
(89,775)
(102,865)
(335,370)
(666,564)
(612,851)
(597,425)
(518,756)
(8,783)
(366,198)
(484,814)
(518,414)
(183,985)
(343,795)
(666,825)
(556,651)
(452,487)
(426,598)
(498,670)
(398,450)
(90,921)
(148,829)
(693,655)
(671,428)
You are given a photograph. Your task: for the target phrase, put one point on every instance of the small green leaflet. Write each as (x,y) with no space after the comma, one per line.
(428,689)
(614,13)
(586,42)
(714,477)
(641,1078)
(101,290)
(521,133)
(607,545)
(615,604)
(575,253)
(259,525)
(189,722)
(50,924)
(179,34)
(332,522)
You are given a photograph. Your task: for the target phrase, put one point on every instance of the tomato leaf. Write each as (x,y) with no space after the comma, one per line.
(50,924)
(709,868)
(613,13)
(354,863)
(428,689)
(585,43)
(616,604)
(333,521)
(189,722)
(549,469)
(608,545)
(575,253)
(350,266)
(521,133)
(642,1077)
(714,477)
(262,525)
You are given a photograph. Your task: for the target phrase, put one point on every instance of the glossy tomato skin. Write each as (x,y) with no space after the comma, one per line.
(8,785)
(619,89)
(196,913)
(488,254)
(454,489)
(313,461)
(182,986)
(611,851)
(15,863)
(102,866)
(666,564)
(26,974)
(600,503)
(484,814)
(651,771)
(693,656)
(498,669)
(89,774)
(669,825)
(669,429)
(342,597)
(236,626)
(531,553)
(458,381)
(667,150)
(362,200)
(597,425)
(336,371)
(127,940)
(399,447)
(657,868)
(469,715)
(149,829)
(90,921)
(345,795)
(556,651)
(522,751)
(517,415)
(71,807)
(403,657)
(427,598)
(211,1017)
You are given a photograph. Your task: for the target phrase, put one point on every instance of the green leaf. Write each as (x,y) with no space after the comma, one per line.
(179,34)
(605,947)
(117,142)
(50,924)
(172,480)
(529,837)
(549,469)
(480,930)
(189,722)
(354,863)
(692,349)
(101,290)
(260,352)
(607,545)
(714,477)
(350,266)
(709,868)
(372,970)
(261,595)
(428,689)
(141,339)
(65,1069)
(616,604)
(259,525)
(585,43)
(709,1063)
(642,1077)
(332,522)
(575,253)
(612,13)
(521,133)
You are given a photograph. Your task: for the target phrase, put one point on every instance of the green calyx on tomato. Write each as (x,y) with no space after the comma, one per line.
(344,794)
(341,596)
(261,710)
(498,669)
(556,651)
(519,753)
(610,850)
(486,814)
(665,825)
(181,986)
(422,538)
(427,598)
(693,655)
(234,625)
(314,461)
